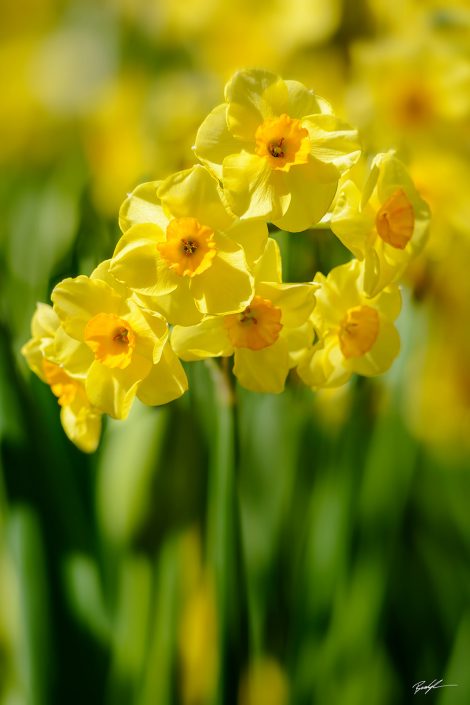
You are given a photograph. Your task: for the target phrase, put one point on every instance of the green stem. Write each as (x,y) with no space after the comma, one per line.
(220,534)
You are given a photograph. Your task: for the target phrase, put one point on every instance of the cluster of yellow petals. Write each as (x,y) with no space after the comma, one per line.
(195,274)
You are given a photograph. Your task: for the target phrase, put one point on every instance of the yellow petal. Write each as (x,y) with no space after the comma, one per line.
(214,141)
(82,425)
(33,353)
(151,327)
(252,235)
(253,95)
(113,390)
(102,272)
(77,300)
(195,193)
(384,351)
(165,382)
(138,263)
(178,307)
(142,206)
(269,266)
(207,339)
(263,370)
(227,286)
(252,188)
(349,223)
(74,355)
(45,321)
(301,101)
(324,366)
(333,141)
(296,301)
(312,188)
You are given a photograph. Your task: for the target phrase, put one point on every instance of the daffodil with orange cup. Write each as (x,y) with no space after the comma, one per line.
(277,148)
(184,251)
(386,224)
(265,338)
(119,348)
(355,333)
(81,421)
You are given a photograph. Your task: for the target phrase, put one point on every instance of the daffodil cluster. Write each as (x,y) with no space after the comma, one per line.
(195,274)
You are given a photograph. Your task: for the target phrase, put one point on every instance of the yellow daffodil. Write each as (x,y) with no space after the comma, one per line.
(80,420)
(355,333)
(184,250)
(120,349)
(410,90)
(278,149)
(386,225)
(265,337)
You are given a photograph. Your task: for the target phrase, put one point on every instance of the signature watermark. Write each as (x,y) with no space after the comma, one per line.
(422,686)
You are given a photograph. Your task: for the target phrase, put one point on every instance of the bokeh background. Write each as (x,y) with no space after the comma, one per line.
(233,548)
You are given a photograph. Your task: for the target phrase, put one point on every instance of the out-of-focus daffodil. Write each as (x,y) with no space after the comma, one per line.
(355,333)
(265,683)
(438,394)
(410,91)
(81,421)
(385,225)
(120,348)
(278,149)
(265,338)
(182,248)
(198,643)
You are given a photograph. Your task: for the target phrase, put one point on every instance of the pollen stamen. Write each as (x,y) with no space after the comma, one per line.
(276,150)
(121,335)
(189,246)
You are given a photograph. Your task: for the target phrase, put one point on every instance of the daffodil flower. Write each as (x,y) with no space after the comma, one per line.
(265,337)
(184,251)
(277,148)
(355,334)
(81,421)
(119,348)
(386,225)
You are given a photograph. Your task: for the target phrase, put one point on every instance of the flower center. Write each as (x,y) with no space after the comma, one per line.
(63,386)
(111,339)
(189,247)
(395,220)
(283,141)
(358,331)
(257,327)
(414,106)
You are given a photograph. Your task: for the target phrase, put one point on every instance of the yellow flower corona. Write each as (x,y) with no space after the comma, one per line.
(395,220)
(257,327)
(358,331)
(189,248)
(111,339)
(283,142)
